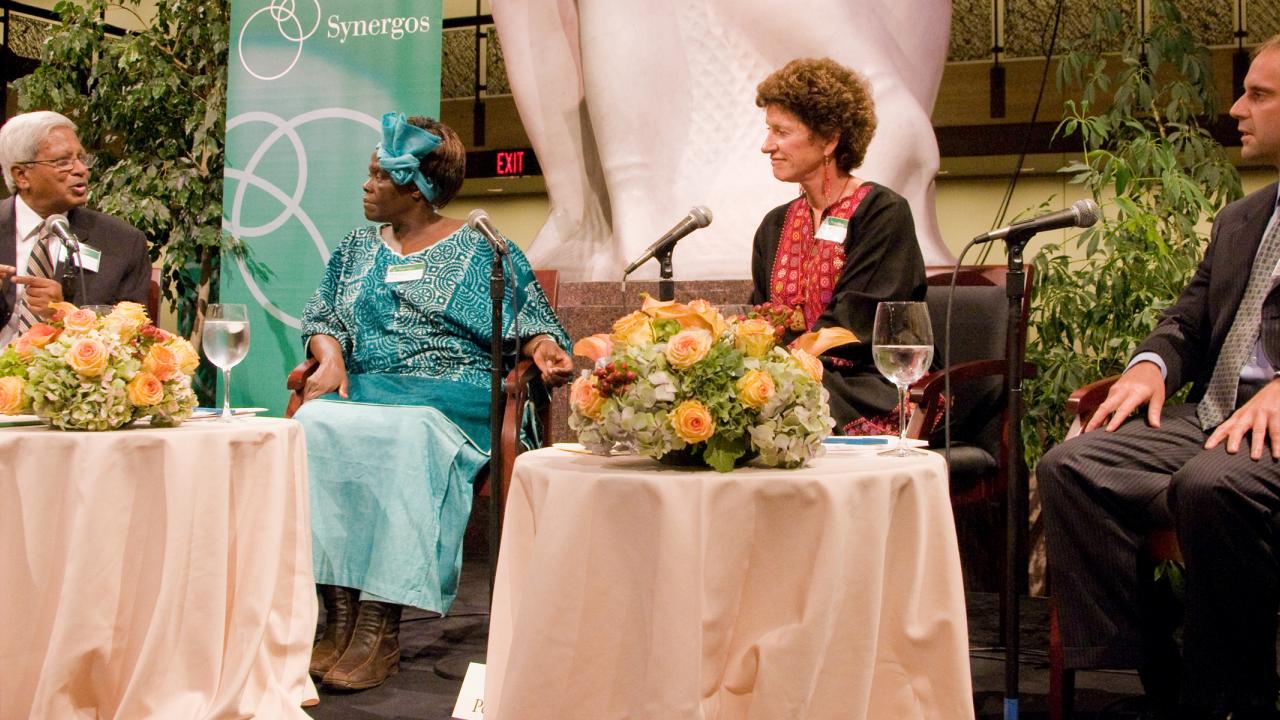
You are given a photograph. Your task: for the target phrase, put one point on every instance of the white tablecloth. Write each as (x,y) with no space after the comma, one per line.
(152,573)
(629,590)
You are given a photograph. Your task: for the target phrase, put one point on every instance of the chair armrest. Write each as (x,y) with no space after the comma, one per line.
(297,383)
(926,393)
(1086,399)
(517,387)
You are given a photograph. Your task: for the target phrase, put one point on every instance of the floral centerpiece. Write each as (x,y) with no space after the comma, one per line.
(682,382)
(80,371)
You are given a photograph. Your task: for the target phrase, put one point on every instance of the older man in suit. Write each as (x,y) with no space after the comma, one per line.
(48,169)
(1209,468)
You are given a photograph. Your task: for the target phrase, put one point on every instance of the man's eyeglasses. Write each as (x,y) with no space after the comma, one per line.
(64,164)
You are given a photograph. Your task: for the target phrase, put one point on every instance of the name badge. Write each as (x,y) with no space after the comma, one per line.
(833,229)
(406,272)
(90,257)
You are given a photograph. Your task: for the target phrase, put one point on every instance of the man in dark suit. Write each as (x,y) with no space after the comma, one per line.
(1208,469)
(48,169)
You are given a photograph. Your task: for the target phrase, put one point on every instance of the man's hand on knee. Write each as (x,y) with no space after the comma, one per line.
(1260,417)
(1142,384)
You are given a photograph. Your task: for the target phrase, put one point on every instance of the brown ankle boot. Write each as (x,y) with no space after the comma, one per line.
(374,652)
(339,622)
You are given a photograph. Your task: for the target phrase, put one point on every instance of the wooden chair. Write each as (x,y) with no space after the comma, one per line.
(523,384)
(980,426)
(1160,546)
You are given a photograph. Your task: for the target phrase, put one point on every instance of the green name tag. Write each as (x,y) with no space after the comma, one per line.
(833,229)
(90,257)
(406,272)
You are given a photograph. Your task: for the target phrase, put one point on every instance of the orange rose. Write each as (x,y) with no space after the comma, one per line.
(687,347)
(633,329)
(692,422)
(188,359)
(80,320)
(808,363)
(145,389)
(12,395)
(87,357)
(41,334)
(585,397)
(754,336)
(594,347)
(755,388)
(710,315)
(161,362)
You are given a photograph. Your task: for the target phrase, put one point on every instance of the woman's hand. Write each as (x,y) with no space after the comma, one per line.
(332,371)
(555,363)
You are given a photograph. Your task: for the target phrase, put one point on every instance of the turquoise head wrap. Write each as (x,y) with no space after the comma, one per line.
(401,152)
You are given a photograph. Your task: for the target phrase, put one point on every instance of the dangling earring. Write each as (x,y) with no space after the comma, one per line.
(826,181)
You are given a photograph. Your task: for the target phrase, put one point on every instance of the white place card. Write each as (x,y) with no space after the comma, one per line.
(470,705)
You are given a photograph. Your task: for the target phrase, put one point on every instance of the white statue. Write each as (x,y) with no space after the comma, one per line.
(640,111)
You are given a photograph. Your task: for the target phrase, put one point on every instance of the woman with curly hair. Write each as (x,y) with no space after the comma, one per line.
(845,244)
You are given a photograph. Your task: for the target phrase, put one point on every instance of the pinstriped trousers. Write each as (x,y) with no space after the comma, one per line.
(1102,492)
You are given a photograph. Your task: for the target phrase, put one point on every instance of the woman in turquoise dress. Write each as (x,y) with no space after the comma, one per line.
(399,425)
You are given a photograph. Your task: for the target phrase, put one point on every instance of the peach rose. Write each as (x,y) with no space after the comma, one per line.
(594,347)
(188,359)
(145,389)
(693,422)
(687,347)
(80,320)
(24,348)
(755,388)
(161,362)
(754,336)
(633,329)
(12,395)
(41,334)
(808,363)
(585,397)
(61,309)
(87,357)
(127,319)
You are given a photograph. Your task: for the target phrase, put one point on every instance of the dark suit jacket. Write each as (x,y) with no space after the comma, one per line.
(124,272)
(1191,332)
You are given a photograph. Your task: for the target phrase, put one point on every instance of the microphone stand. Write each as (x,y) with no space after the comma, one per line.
(71,248)
(666,285)
(1015,521)
(496,406)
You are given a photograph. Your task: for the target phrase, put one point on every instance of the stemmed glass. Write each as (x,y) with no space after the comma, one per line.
(902,345)
(226,341)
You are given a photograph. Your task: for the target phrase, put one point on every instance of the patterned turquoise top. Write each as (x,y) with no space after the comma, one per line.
(435,327)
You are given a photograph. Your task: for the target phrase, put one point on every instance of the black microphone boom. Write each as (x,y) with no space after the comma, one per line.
(1082,213)
(58,226)
(698,217)
(479,221)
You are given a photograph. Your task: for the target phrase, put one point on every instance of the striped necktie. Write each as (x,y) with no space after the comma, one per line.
(1219,399)
(38,265)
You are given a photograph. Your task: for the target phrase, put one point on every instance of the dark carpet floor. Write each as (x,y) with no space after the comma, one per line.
(419,692)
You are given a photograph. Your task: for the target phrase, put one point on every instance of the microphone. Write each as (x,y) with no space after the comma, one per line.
(698,217)
(479,221)
(1082,213)
(58,226)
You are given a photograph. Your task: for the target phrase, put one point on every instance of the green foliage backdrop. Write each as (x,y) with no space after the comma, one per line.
(152,105)
(1158,174)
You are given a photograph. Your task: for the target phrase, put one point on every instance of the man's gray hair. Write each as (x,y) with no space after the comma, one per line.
(1271,43)
(20,138)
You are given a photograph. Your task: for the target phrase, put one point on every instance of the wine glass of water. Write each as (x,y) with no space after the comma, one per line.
(902,345)
(226,341)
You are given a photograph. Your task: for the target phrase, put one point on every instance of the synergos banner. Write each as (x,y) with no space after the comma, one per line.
(308,81)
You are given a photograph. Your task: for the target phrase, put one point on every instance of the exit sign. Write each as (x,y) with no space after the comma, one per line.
(515,162)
